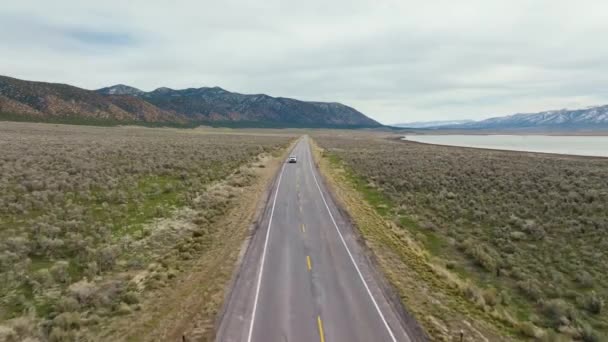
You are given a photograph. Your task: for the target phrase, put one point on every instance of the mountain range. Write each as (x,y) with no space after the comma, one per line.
(592,118)
(41,101)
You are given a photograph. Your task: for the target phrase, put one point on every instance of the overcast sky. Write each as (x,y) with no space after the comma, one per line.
(396,61)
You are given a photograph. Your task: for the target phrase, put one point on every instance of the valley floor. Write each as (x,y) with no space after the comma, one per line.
(133,234)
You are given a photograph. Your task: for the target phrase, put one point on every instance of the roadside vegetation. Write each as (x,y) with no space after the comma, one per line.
(94,221)
(499,245)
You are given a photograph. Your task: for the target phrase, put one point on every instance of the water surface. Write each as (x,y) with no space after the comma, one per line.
(575,145)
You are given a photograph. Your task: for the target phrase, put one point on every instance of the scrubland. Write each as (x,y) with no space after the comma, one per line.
(93,220)
(499,245)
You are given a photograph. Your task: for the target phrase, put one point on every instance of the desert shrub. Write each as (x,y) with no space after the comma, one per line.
(60,271)
(7,334)
(67,304)
(517,235)
(106,257)
(67,320)
(553,336)
(588,334)
(482,258)
(25,327)
(123,309)
(557,311)
(528,329)
(593,303)
(530,288)
(91,269)
(474,294)
(59,335)
(43,277)
(491,296)
(83,291)
(130,298)
(584,279)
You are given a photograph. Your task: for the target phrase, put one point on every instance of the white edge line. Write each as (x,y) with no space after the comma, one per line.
(369,292)
(257,291)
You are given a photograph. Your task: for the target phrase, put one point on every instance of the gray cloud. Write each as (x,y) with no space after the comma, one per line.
(393,60)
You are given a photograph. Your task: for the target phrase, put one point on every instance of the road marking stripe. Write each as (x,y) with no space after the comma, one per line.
(320,325)
(352,259)
(303,227)
(257,291)
(308,262)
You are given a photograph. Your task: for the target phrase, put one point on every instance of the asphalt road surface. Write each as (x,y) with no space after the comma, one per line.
(304,276)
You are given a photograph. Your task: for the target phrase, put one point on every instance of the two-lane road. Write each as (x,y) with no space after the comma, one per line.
(304,276)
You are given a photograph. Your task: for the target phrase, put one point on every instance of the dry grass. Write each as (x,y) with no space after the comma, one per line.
(510,242)
(97,222)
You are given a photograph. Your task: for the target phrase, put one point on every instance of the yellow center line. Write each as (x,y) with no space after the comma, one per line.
(303,227)
(309,264)
(320,325)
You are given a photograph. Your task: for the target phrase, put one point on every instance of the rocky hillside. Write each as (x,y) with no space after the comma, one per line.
(44,101)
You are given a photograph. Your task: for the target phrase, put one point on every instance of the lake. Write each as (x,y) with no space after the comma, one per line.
(575,145)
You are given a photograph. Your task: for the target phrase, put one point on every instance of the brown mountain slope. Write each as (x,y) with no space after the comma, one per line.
(11,106)
(52,100)
(144,111)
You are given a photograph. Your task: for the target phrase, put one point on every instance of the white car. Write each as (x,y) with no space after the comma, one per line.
(292,159)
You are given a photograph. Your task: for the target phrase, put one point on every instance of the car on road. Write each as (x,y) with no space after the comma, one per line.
(292,159)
